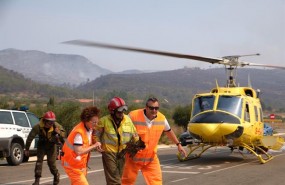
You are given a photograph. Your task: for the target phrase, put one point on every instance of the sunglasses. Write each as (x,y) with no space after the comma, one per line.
(50,122)
(93,122)
(153,108)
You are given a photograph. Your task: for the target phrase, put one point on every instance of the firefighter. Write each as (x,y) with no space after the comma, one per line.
(50,133)
(150,124)
(114,131)
(76,149)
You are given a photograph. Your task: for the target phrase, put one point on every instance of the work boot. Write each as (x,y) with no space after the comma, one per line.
(56,179)
(37,181)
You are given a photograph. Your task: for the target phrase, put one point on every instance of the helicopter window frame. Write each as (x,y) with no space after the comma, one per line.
(248,92)
(261,114)
(246,112)
(257,117)
(234,106)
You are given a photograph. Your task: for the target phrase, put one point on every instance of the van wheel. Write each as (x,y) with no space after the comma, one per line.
(16,155)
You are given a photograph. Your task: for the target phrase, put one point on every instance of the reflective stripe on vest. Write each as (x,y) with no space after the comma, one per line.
(150,135)
(70,158)
(109,137)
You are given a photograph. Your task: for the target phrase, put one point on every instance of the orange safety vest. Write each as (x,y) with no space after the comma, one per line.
(150,135)
(70,158)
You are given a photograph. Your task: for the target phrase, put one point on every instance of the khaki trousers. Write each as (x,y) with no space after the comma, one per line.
(113,167)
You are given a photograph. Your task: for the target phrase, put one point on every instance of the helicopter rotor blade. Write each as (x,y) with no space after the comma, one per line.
(261,65)
(231,61)
(141,50)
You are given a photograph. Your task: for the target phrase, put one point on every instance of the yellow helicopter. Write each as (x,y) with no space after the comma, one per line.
(226,116)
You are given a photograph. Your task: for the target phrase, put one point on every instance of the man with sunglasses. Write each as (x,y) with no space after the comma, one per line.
(150,124)
(114,131)
(50,133)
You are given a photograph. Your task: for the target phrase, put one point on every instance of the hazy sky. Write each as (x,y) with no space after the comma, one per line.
(210,28)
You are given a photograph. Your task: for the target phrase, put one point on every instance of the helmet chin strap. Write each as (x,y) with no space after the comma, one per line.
(115,118)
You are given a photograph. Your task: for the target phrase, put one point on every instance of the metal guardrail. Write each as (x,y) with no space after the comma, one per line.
(272,120)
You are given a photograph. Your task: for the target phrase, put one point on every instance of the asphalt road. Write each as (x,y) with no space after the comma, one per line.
(216,166)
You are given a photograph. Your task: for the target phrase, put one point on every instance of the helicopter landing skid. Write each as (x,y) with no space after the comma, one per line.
(192,148)
(259,153)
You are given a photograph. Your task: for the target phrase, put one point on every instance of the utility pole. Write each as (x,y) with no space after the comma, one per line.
(93,99)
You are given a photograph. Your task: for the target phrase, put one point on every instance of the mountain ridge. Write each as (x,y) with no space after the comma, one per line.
(55,69)
(179,86)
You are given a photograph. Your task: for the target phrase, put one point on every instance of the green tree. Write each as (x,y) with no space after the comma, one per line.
(68,114)
(4,103)
(51,102)
(181,116)
(109,95)
(38,109)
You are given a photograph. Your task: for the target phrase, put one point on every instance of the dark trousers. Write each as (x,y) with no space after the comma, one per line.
(113,167)
(50,151)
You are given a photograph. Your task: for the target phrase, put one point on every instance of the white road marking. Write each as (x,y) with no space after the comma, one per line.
(209,167)
(180,172)
(172,159)
(49,179)
(226,168)
(237,165)
(179,180)
(95,156)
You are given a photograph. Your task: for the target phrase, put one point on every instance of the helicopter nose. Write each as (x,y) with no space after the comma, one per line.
(212,132)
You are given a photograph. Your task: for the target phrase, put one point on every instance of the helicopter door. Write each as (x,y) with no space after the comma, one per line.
(258,124)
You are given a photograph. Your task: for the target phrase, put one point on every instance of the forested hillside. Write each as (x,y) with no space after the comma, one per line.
(179,86)
(175,87)
(12,82)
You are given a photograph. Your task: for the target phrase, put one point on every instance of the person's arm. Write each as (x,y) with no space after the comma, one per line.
(96,138)
(78,145)
(79,149)
(60,130)
(134,131)
(31,136)
(98,131)
(96,134)
(171,135)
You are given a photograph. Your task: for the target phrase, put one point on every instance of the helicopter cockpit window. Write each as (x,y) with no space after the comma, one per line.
(232,104)
(203,103)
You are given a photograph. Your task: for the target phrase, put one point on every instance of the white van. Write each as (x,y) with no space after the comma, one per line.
(15,127)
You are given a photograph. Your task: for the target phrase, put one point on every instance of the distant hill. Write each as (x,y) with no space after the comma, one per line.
(12,83)
(179,86)
(134,71)
(21,68)
(55,69)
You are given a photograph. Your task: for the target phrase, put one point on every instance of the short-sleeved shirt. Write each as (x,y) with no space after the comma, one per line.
(78,138)
(149,123)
